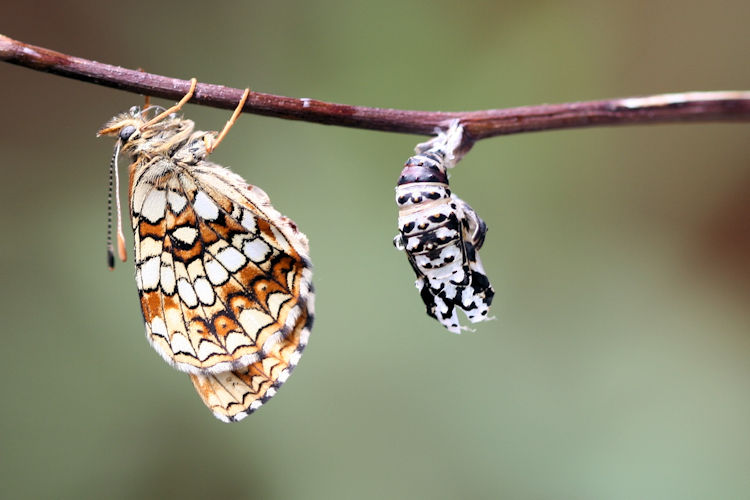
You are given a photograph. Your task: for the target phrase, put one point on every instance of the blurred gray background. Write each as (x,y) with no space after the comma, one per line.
(619,363)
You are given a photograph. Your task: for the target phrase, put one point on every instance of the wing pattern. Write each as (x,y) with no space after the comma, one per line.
(224,283)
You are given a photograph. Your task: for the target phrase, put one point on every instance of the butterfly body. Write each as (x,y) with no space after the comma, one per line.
(224,279)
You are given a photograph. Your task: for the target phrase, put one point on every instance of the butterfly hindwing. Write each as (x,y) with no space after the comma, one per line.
(233,395)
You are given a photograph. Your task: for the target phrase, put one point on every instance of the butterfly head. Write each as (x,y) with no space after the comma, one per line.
(146,131)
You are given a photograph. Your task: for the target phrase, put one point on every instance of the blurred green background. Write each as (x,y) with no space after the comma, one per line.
(619,363)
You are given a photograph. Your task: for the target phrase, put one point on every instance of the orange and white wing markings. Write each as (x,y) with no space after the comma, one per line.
(224,279)
(232,395)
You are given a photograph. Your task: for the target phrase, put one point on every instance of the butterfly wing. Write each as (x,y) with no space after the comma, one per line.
(224,280)
(231,396)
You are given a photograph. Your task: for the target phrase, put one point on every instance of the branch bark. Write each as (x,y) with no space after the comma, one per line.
(679,107)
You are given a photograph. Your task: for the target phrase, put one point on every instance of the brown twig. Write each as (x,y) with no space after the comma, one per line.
(682,107)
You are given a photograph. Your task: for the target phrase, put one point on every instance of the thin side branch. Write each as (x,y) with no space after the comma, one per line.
(681,107)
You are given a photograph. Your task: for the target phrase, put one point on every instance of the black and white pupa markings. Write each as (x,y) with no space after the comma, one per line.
(441,234)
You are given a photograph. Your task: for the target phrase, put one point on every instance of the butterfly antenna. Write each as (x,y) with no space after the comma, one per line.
(114,184)
(110,249)
(120,237)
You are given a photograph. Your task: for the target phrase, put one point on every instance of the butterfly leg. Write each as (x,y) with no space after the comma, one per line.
(212,147)
(146,97)
(176,107)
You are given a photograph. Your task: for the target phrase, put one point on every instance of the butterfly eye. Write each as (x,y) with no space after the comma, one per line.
(126,132)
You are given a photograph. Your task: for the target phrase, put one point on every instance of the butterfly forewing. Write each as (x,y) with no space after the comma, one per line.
(226,284)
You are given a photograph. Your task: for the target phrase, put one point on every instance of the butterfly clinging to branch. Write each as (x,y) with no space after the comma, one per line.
(224,279)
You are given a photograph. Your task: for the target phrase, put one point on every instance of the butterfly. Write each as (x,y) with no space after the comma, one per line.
(224,280)
(441,234)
